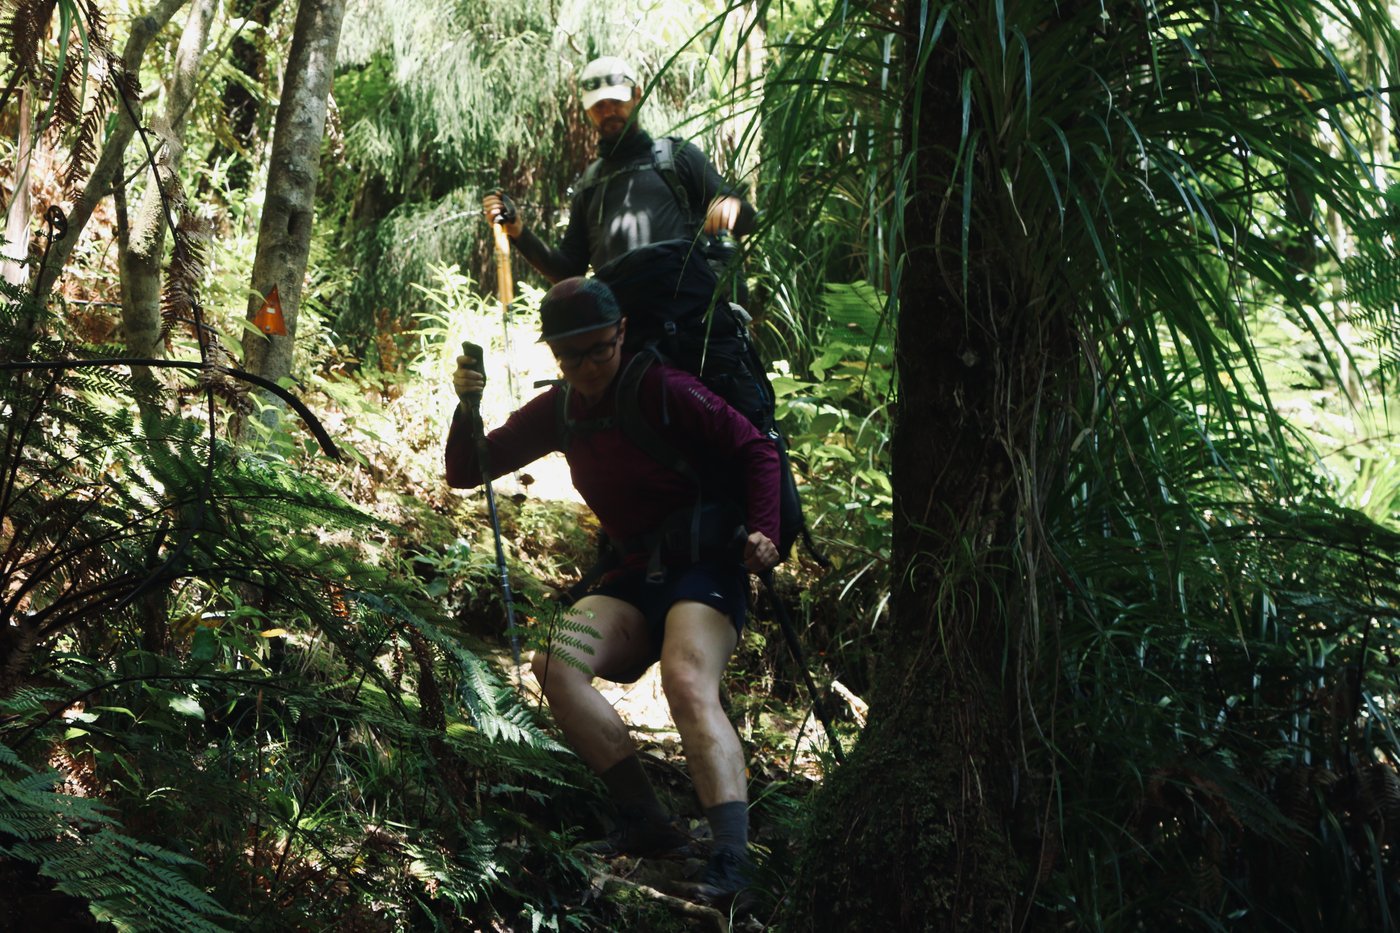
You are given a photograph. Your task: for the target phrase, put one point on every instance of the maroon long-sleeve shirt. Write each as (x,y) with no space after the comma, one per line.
(630,491)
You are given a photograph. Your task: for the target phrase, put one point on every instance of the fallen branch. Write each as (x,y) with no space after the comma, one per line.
(859,708)
(707,917)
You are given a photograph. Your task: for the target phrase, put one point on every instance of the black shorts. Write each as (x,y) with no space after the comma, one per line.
(723,585)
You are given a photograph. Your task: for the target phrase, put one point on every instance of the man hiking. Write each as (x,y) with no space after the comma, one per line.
(680,591)
(638,192)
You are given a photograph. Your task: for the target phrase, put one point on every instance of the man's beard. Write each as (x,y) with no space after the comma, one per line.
(614,128)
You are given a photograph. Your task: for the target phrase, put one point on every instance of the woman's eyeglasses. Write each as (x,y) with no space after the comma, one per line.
(600,352)
(592,84)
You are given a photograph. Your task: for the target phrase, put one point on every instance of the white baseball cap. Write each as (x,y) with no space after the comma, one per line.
(606,78)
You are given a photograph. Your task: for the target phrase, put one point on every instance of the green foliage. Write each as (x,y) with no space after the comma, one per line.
(1372,279)
(445,103)
(830,188)
(1108,203)
(75,842)
(1122,204)
(455,312)
(308,724)
(838,428)
(1210,643)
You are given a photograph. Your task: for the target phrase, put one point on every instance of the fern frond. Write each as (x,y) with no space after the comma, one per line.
(187,265)
(27,27)
(23,701)
(67,108)
(492,707)
(114,82)
(31,808)
(129,882)
(461,877)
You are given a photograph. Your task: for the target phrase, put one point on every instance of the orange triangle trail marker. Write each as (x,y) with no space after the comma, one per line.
(269,318)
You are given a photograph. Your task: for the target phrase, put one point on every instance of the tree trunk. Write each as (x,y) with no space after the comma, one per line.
(141,253)
(17,214)
(917,831)
(284,234)
(109,163)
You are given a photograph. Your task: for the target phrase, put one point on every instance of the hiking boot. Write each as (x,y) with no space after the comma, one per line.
(644,840)
(725,884)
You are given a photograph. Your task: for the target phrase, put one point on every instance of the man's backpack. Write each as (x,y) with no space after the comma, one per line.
(663,161)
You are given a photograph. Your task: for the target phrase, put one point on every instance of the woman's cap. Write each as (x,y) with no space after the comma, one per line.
(576,306)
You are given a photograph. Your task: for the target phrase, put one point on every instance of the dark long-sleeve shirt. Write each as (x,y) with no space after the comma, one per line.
(628,209)
(630,491)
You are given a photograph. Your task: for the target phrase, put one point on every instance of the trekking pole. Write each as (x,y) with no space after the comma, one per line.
(795,645)
(505,281)
(472,410)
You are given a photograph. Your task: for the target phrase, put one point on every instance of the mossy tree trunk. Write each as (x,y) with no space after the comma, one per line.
(284,232)
(922,828)
(143,239)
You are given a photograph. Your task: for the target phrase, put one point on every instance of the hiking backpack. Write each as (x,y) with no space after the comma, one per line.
(666,291)
(710,528)
(669,292)
(663,161)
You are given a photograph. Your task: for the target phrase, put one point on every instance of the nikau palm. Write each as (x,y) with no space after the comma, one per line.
(1138,655)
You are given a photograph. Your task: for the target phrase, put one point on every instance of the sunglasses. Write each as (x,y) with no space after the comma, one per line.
(592,84)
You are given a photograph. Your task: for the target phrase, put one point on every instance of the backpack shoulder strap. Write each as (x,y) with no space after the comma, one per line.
(637,429)
(568,427)
(594,175)
(562,423)
(589,178)
(663,157)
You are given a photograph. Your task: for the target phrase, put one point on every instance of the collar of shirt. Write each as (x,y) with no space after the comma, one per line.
(626,147)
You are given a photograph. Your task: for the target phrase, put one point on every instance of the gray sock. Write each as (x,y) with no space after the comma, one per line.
(630,789)
(729,822)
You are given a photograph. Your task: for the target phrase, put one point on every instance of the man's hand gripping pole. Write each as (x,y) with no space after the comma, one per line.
(471,407)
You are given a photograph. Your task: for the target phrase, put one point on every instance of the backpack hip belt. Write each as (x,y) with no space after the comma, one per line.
(708,531)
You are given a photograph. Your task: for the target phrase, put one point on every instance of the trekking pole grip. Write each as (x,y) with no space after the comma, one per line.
(507,214)
(474,351)
(471,404)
